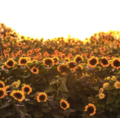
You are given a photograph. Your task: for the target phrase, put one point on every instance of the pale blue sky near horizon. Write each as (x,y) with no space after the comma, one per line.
(60,18)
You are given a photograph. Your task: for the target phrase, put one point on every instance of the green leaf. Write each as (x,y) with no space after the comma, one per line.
(21,109)
(63,88)
(49,89)
(110,98)
(53,81)
(38,114)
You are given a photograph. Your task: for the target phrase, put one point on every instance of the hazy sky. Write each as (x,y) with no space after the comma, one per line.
(59,18)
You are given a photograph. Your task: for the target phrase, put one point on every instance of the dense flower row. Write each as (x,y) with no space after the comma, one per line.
(60,77)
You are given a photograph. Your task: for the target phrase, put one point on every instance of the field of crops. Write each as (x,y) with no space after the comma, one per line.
(59,78)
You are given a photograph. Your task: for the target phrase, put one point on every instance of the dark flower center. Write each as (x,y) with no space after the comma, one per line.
(90,109)
(104,61)
(116,63)
(1,85)
(10,63)
(63,68)
(34,69)
(48,61)
(26,89)
(78,59)
(55,60)
(17,95)
(23,61)
(1,93)
(72,65)
(63,104)
(42,97)
(93,61)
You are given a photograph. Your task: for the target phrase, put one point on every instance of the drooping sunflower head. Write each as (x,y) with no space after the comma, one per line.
(79,68)
(35,70)
(115,63)
(26,89)
(42,97)
(78,58)
(2,84)
(104,62)
(91,109)
(62,68)
(64,104)
(10,63)
(48,61)
(56,60)
(92,62)
(23,61)
(72,65)
(17,95)
(2,92)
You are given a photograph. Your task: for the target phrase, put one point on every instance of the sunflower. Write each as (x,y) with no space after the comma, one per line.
(67,60)
(78,68)
(2,84)
(10,63)
(26,89)
(91,109)
(2,92)
(117,85)
(62,68)
(19,44)
(101,95)
(106,85)
(23,61)
(18,95)
(34,70)
(71,65)
(48,61)
(62,56)
(56,60)
(78,58)
(64,104)
(93,61)
(101,90)
(104,62)
(115,63)
(29,52)
(42,97)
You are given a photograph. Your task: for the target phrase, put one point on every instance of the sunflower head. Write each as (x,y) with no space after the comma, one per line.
(78,58)
(104,62)
(26,89)
(64,104)
(117,85)
(48,61)
(115,63)
(101,95)
(62,68)
(2,92)
(2,84)
(72,65)
(23,61)
(35,70)
(56,60)
(42,97)
(92,62)
(91,109)
(17,95)
(10,63)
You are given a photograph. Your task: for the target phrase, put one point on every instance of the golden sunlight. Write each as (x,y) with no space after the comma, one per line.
(53,18)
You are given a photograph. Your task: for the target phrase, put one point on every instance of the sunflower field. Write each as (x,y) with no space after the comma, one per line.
(59,78)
